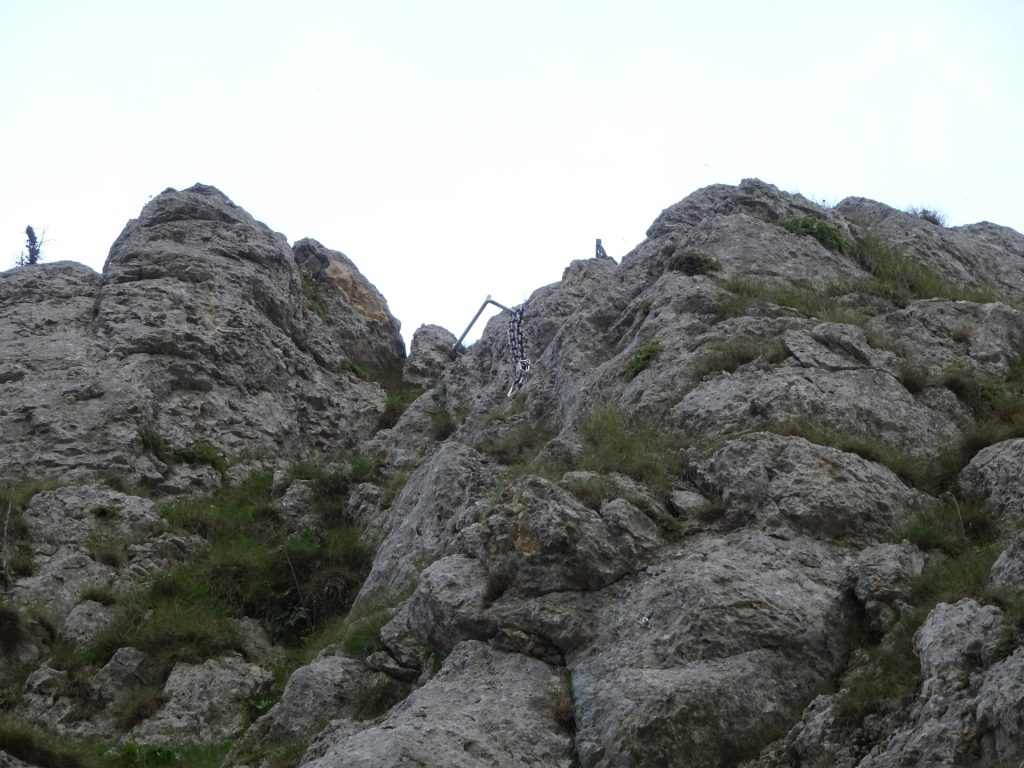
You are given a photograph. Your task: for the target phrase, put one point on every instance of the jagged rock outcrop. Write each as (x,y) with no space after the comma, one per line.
(199,329)
(483,708)
(757,504)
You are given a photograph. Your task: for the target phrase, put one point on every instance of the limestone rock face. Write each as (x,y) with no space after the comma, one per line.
(315,694)
(202,328)
(540,538)
(757,504)
(65,411)
(205,702)
(203,302)
(675,646)
(977,254)
(994,474)
(429,355)
(358,324)
(484,708)
(820,491)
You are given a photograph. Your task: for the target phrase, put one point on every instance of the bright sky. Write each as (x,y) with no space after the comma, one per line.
(459,148)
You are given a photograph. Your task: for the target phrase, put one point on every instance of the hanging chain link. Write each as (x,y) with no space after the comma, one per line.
(517,346)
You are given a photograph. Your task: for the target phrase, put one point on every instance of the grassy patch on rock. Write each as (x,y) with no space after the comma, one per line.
(642,359)
(255,565)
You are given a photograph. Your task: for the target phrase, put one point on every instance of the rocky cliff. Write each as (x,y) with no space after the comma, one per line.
(758,503)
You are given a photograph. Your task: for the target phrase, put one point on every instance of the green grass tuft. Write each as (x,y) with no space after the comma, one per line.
(377,696)
(826,234)
(615,442)
(201,453)
(642,359)
(691,263)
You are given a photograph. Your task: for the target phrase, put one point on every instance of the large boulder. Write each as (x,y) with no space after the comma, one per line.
(708,654)
(994,475)
(790,483)
(483,709)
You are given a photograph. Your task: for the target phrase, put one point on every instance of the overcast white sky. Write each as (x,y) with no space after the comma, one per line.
(459,148)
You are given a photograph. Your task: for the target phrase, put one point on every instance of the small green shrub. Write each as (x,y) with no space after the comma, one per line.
(826,234)
(99,593)
(442,424)
(18,496)
(104,512)
(154,442)
(913,378)
(133,755)
(362,628)
(315,294)
(560,697)
(891,674)
(433,660)
(284,753)
(400,393)
(252,567)
(642,359)
(201,453)
(13,634)
(744,292)
(377,696)
(35,746)
(927,475)
(726,356)
(593,491)
(691,263)
(170,622)
(362,468)
(930,215)
(901,279)
(133,705)
(952,526)
(108,549)
(615,442)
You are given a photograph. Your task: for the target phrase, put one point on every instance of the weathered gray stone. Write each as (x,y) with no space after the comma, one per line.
(539,538)
(315,694)
(700,658)
(955,640)
(430,354)
(200,329)
(87,536)
(440,498)
(484,709)
(85,621)
(883,575)
(979,255)
(65,412)
(1007,574)
(994,475)
(1000,711)
(358,326)
(697,649)
(859,401)
(789,482)
(205,702)
(449,604)
(938,335)
(128,668)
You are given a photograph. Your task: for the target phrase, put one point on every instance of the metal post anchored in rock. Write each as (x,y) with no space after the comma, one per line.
(516,342)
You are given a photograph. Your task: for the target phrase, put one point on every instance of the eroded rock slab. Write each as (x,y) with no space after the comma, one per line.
(484,709)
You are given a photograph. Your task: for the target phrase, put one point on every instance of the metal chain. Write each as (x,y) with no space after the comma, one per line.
(516,346)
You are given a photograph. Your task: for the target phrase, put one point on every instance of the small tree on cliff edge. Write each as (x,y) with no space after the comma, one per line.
(34,246)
